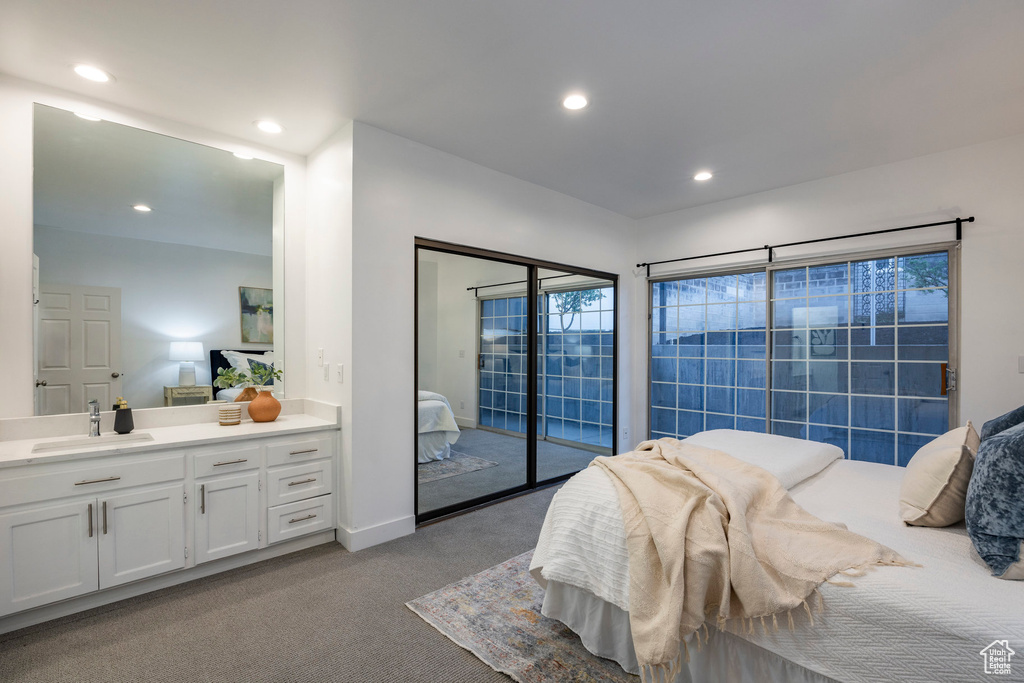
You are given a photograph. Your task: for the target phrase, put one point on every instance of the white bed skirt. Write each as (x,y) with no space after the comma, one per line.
(603,629)
(432,446)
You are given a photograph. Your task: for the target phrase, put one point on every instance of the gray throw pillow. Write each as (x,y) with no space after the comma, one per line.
(995,503)
(1002,423)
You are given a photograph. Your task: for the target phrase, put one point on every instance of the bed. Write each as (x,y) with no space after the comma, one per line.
(436,428)
(909,624)
(219,361)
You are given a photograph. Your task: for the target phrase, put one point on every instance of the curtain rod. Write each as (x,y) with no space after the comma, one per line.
(771,248)
(516,282)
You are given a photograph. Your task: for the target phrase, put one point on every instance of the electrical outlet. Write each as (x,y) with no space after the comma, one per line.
(462,405)
(341,373)
(319,358)
(327,372)
(462,353)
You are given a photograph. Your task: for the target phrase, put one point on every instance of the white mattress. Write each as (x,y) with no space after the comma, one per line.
(922,624)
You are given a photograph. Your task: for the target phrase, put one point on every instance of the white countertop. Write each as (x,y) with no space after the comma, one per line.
(19,452)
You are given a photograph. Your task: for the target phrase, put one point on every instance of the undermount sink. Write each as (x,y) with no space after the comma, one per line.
(91,442)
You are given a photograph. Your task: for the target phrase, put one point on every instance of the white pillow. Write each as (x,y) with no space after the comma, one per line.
(790,460)
(934,487)
(240,361)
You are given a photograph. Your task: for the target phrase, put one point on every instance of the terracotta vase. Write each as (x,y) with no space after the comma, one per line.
(248,394)
(264,408)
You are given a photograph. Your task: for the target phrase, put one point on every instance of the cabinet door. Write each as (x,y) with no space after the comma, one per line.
(50,554)
(141,534)
(227,516)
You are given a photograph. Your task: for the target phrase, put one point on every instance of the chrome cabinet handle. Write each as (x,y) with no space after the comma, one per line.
(230,462)
(96,481)
(202,499)
(308,450)
(90,520)
(304,481)
(104,517)
(301,519)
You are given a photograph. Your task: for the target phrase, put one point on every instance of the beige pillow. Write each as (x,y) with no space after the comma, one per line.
(935,484)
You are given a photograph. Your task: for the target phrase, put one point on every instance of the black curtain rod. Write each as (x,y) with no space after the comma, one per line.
(771,248)
(517,282)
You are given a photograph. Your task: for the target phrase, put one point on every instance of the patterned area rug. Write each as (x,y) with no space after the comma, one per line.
(452,466)
(496,616)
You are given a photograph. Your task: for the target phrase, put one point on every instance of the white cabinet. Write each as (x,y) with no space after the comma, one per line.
(142,534)
(65,550)
(227,515)
(52,555)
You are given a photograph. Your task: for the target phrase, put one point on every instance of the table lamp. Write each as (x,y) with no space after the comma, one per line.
(186,352)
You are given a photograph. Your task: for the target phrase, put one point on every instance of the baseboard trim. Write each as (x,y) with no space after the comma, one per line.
(361,539)
(465,422)
(56,610)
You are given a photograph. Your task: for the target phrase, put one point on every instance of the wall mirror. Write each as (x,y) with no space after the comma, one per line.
(119,287)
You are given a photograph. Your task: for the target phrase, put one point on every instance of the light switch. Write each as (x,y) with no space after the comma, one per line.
(319,358)
(327,372)
(341,373)
(462,353)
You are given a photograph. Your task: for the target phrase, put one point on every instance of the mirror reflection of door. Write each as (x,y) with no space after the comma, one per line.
(492,419)
(461,458)
(78,347)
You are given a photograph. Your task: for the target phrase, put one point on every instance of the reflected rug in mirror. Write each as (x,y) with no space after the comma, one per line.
(496,616)
(456,464)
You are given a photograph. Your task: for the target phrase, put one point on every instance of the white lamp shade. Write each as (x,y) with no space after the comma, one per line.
(184,350)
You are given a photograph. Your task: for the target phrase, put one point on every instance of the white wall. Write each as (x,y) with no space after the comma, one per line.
(984,180)
(17,98)
(168,292)
(402,190)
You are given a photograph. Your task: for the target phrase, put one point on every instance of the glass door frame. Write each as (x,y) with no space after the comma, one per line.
(532,315)
(952,248)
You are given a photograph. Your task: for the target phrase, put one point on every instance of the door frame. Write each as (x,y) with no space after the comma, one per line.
(532,265)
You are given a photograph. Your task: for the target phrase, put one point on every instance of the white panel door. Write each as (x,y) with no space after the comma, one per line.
(227,516)
(50,555)
(78,346)
(141,534)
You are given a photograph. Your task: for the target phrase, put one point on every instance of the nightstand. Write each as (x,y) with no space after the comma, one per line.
(188,396)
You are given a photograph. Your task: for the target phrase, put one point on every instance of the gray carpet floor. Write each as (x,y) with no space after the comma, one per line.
(321,615)
(510,453)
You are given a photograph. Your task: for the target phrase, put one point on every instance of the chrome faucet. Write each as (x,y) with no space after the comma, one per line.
(94,418)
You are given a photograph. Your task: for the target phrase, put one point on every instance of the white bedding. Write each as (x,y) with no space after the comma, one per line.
(437,429)
(910,624)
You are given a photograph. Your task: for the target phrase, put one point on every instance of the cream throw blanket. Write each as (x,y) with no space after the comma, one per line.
(713,538)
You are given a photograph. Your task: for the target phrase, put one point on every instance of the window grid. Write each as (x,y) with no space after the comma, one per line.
(886,315)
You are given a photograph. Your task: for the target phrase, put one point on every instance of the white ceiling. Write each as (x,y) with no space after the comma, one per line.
(89,174)
(765,94)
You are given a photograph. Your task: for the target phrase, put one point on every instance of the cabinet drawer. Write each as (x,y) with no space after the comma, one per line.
(299,449)
(225,460)
(297,482)
(299,518)
(36,483)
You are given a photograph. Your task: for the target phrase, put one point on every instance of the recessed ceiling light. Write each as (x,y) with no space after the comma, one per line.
(243,155)
(142,208)
(93,73)
(574,102)
(268,126)
(703,175)
(87,117)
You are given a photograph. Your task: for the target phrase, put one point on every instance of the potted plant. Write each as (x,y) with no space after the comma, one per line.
(263,407)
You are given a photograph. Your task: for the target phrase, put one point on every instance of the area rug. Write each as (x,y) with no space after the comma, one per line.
(496,616)
(458,463)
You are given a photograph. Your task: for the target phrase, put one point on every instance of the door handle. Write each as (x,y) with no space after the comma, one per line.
(90,520)
(202,499)
(104,517)
(480,360)
(115,375)
(40,382)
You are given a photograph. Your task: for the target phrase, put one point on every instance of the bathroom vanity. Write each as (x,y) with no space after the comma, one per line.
(86,521)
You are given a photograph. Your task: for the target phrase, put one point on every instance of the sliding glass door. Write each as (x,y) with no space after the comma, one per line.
(853,353)
(518,355)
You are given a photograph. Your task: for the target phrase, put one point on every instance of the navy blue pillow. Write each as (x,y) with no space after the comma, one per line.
(1002,423)
(253,364)
(994,508)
